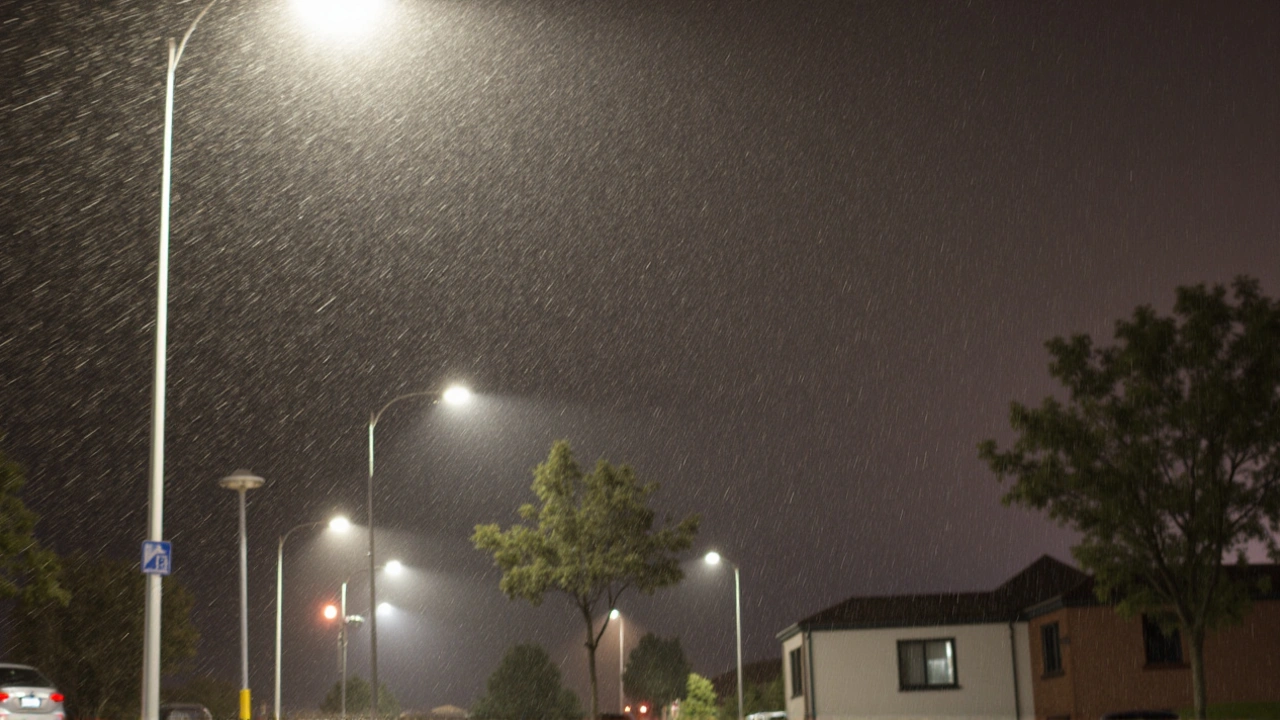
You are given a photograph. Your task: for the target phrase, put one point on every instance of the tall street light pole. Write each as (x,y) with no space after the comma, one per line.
(622,702)
(337,524)
(242,481)
(455,395)
(714,558)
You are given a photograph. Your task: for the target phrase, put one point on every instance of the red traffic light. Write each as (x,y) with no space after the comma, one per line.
(330,611)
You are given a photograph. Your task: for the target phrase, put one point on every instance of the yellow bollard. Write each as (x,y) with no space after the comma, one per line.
(245,705)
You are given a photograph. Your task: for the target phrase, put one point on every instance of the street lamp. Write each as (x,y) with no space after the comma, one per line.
(338,524)
(393,568)
(455,395)
(615,615)
(242,481)
(714,558)
(150,708)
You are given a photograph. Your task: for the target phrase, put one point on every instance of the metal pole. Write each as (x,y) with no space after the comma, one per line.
(245,706)
(373,581)
(622,702)
(342,639)
(737,609)
(279,614)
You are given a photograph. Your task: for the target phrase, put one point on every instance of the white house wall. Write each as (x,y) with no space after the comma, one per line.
(1026,701)
(856,675)
(794,705)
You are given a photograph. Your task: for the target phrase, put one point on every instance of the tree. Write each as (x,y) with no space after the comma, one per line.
(758,697)
(657,671)
(1165,456)
(592,538)
(91,645)
(700,699)
(526,686)
(359,698)
(26,569)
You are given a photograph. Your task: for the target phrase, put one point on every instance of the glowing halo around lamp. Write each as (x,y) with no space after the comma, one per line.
(340,17)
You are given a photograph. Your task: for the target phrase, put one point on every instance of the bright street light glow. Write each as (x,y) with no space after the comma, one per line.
(385,607)
(457,395)
(330,612)
(340,524)
(394,567)
(340,17)
(613,614)
(713,558)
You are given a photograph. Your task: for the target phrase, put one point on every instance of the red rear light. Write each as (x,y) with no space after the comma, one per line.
(4,696)
(56,697)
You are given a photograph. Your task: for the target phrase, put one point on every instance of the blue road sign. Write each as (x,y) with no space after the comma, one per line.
(157,557)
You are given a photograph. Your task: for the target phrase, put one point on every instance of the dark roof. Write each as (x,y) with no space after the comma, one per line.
(1043,579)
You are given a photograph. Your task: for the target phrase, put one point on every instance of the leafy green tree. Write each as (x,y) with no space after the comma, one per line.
(220,696)
(1164,455)
(592,538)
(359,698)
(91,645)
(526,686)
(657,671)
(699,700)
(757,697)
(26,569)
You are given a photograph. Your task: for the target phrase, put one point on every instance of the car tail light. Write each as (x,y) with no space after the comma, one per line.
(4,696)
(56,697)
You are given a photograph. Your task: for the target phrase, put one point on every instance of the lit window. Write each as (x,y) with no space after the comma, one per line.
(927,664)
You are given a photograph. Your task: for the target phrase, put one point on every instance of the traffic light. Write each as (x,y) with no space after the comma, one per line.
(330,611)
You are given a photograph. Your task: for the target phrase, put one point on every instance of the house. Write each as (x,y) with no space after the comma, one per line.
(1038,646)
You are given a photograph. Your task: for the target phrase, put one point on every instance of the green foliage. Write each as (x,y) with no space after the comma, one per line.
(26,569)
(359,698)
(220,696)
(699,700)
(657,671)
(592,537)
(757,697)
(526,686)
(1164,456)
(90,646)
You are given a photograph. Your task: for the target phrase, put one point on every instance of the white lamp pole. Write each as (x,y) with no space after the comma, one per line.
(455,395)
(337,524)
(714,558)
(622,702)
(242,481)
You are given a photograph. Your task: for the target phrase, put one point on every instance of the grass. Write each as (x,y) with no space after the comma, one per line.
(1240,711)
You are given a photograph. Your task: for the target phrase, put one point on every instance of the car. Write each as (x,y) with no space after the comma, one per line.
(184,711)
(26,694)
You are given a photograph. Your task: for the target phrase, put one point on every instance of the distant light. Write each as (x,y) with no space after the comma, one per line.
(644,709)
(340,17)
(457,395)
(385,607)
(393,567)
(330,612)
(713,558)
(340,524)
(614,614)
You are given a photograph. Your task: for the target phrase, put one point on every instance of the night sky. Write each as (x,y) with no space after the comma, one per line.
(792,260)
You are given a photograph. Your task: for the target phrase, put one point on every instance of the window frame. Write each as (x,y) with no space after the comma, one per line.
(923,642)
(1051,630)
(1153,638)
(796,658)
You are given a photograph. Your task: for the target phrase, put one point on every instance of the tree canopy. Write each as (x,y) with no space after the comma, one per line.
(1164,455)
(26,569)
(657,671)
(592,538)
(359,698)
(699,699)
(91,645)
(526,686)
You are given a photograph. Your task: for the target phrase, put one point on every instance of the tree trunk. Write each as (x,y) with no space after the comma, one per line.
(591,663)
(1199,700)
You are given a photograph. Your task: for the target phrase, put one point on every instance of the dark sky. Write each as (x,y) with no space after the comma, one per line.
(790,259)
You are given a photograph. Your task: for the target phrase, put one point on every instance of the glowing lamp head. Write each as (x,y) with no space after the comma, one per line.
(614,614)
(340,17)
(457,395)
(713,558)
(384,608)
(330,612)
(394,567)
(644,709)
(340,524)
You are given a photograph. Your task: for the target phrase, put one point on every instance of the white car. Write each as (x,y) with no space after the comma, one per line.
(25,694)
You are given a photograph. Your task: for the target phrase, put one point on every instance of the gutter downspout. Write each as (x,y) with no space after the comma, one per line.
(1013,655)
(811,697)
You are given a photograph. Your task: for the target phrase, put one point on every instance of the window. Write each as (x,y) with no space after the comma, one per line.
(797,674)
(927,664)
(1162,649)
(1051,649)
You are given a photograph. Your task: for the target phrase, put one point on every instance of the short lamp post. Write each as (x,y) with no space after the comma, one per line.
(242,481)
(622,702)
(338,524)
(393,568)
(714,558)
